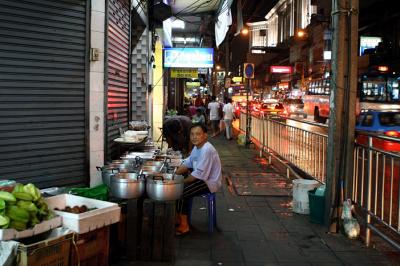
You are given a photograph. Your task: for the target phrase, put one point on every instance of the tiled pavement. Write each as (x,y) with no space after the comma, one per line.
(261,230)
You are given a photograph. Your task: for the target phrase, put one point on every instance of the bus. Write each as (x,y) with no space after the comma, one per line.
(316,99)
(379,91)
(376,91)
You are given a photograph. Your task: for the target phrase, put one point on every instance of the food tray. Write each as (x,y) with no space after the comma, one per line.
(106,213)
(8,234)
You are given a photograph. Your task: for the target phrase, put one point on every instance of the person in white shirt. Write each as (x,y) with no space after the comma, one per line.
(214,107)
(206,176)
(228,117)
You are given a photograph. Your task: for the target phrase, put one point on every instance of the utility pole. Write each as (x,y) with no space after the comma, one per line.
(248,114)
(248,73)
(339,167)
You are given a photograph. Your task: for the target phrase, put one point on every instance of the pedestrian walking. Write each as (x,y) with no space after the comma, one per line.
(206,176)
(228,111)
(198,101)
(214,110)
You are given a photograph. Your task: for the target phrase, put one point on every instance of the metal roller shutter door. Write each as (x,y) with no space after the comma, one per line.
(117,70)
(42,91)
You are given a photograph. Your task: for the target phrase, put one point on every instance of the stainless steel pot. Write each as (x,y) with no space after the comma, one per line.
(107,172)
(152,168)
(122,161)
(153,163)
(164,187)
(129,166)
(127,185)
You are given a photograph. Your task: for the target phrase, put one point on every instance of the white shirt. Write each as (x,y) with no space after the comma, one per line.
(206,166)
(214,113)
(228,111)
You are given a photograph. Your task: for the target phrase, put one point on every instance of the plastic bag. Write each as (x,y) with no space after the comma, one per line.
(221,125)
(99,192)
(241,139)
(350,224)
(320,191)
(351,228)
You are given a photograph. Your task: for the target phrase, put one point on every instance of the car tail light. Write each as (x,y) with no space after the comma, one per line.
(392,133)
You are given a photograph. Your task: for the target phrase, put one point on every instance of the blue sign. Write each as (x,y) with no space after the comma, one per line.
(248,70)
(189,57)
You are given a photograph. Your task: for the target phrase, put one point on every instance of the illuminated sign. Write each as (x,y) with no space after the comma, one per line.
(283,85)
(383,68)
(281,69)
(367,42)
(189,57)
(193,84)
(237,79)
(181,73)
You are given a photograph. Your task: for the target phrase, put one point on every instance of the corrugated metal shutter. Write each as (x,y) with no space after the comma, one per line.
(118,78)
(42,91)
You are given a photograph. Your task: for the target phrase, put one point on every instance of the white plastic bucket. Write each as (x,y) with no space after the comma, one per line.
(300,196)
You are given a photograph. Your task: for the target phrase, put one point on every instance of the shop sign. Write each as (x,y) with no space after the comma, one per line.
(281,69)
(283,86)
(189,57)
(193,84)
(237,79)
(181,73)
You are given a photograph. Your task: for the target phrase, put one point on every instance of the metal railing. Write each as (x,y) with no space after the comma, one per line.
(375,183)
(304,149)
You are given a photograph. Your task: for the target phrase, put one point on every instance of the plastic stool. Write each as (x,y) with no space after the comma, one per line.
(211,210)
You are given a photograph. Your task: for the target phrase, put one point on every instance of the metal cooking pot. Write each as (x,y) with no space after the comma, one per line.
(152,168)
(129,167)
(122,161)
(153,163)
(164,187)
(107,172)
(127,185)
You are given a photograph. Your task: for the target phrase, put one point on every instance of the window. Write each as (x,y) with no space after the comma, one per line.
(359,119)
(389,119)
(368,121)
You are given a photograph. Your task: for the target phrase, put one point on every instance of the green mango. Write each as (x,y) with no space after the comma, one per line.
(18,225)
(18,188)
(23,196)
(4,221)
(2,204)
(27,205)
(18,214)
(7,196)
(33,191)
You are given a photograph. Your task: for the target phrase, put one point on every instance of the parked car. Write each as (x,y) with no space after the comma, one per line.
(294,107)
(380,122)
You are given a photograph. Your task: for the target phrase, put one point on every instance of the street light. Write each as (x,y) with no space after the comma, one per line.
(245,31)
(301,33)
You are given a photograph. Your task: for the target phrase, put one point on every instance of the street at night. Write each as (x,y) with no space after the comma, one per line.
(199,132)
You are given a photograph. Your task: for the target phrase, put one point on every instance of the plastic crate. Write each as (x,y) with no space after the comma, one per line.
(317,207)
